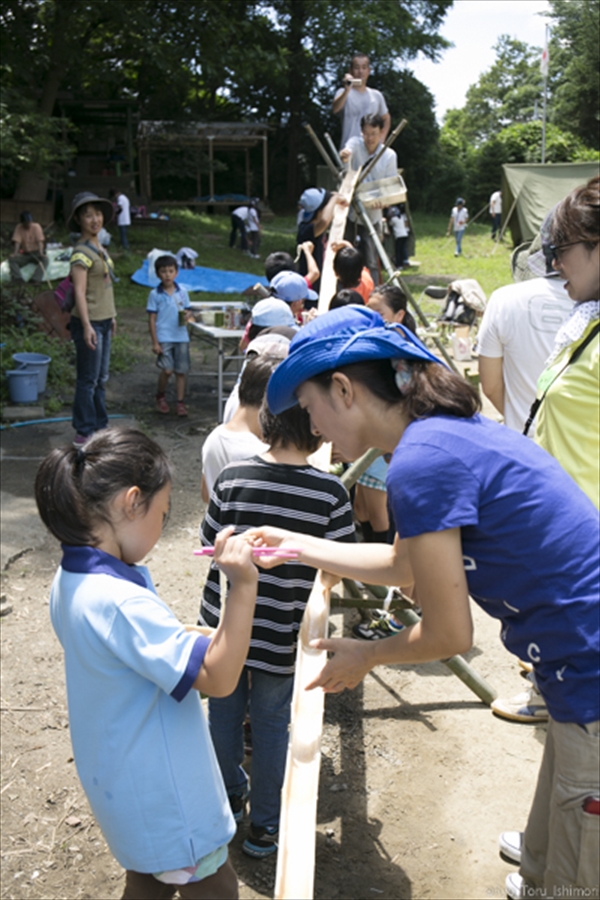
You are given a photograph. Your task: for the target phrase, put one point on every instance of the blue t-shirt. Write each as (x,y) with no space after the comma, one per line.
(167,307)
(140,738)
(530,539)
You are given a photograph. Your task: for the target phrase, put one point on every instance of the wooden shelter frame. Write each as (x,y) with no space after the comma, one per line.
(232,136)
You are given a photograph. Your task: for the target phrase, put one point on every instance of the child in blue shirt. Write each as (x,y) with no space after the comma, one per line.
(167,316)
(134,673)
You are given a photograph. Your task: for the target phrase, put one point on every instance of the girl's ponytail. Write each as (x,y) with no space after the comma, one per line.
(61,506)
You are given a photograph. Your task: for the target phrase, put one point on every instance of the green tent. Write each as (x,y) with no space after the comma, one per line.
(530,190)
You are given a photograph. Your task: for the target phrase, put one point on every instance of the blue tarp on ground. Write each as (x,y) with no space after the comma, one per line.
(203,279)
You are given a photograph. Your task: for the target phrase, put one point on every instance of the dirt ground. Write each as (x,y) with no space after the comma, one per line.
(418,777)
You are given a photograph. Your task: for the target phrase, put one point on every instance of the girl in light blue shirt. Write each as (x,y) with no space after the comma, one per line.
(134,673)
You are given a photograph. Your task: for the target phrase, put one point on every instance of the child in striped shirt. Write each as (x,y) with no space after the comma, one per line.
(276,488)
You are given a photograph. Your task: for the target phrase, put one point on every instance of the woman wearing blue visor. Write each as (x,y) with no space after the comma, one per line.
(481,511)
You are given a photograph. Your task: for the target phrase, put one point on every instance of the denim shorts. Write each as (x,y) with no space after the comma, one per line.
(175,357)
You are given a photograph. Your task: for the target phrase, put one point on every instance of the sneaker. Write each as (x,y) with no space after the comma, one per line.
(161,404)
(237,803)
(510,844)
(378,628)
(526,707)
(181,408)
(514,886)
(261,842)
(80,440)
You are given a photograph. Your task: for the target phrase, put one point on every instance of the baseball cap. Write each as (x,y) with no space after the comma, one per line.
(310,201)
(460,200)
(271,311)
(269,344)
(290,286)
(338,338)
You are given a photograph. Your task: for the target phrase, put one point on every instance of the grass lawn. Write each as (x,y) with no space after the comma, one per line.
(484,260)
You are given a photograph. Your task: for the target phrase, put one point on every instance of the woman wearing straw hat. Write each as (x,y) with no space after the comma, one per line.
(481,511)
(93,318)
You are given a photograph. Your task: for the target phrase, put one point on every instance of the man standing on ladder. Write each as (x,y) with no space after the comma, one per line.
(360,150)
(356,100)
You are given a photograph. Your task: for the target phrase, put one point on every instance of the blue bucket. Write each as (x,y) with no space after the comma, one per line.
(37,361)
(23,385)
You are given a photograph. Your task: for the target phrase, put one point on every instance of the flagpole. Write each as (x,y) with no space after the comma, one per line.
(545,72)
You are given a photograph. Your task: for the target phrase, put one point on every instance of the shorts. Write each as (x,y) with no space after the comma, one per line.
(175,357)
(375,475)
(204,868)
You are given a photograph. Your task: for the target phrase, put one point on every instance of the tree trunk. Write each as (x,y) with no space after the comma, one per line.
(297,91)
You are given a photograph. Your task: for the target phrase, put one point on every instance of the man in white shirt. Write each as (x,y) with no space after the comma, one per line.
(356,100)
(515,339)
(496,212)
(123,213)
(517,335)
(458,222)
(359,150)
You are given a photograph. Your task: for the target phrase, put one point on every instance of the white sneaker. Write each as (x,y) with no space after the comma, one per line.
(510,844)
(528,706)
(514,886)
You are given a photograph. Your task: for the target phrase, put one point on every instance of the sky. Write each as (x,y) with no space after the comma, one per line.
(474,26)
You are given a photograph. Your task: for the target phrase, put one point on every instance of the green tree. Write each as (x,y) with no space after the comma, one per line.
(29,140)
(213,59)
(504,94)
(520,143)
(575,68)
(49,44)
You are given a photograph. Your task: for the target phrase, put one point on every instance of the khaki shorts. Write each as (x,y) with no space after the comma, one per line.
(560,846)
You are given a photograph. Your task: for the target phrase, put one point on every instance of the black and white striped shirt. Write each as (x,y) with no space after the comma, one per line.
(253,493)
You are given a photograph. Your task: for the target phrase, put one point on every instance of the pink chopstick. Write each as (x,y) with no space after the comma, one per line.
(288,553)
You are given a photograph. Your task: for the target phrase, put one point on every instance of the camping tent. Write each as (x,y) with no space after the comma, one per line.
(530,190)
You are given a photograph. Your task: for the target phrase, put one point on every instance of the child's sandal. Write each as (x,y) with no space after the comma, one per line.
(181,408)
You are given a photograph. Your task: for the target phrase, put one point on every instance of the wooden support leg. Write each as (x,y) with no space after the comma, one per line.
(459,666)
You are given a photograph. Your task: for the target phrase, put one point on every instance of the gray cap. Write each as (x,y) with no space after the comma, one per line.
(85,197)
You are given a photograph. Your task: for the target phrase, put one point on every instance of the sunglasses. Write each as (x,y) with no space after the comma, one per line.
(555,251)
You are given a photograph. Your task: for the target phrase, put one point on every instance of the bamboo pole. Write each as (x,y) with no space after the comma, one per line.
(334,152)
(326,157)
(395,277)
(336,233)
(294,879)
(351,475)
